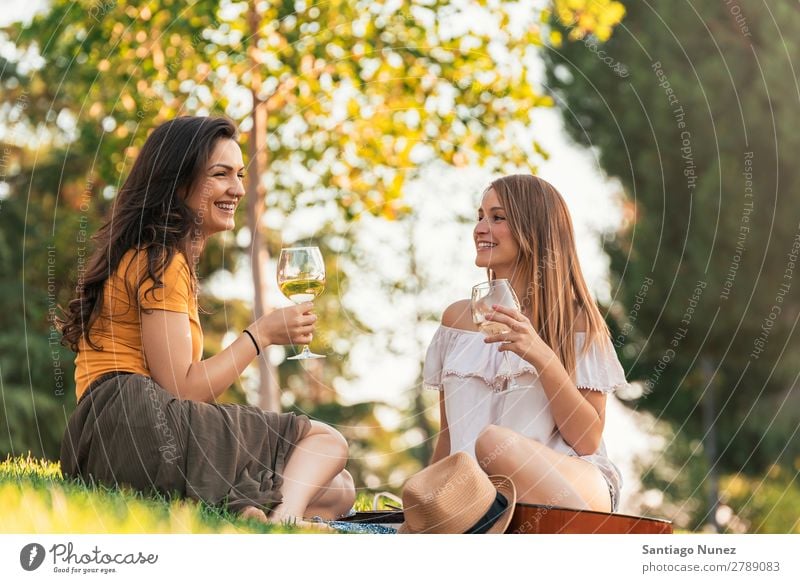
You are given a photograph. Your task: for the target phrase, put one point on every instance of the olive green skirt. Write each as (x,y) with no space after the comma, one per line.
(127,430)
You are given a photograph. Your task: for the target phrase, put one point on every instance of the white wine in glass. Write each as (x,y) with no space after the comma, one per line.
(302,290)
(484,296)
(301,278)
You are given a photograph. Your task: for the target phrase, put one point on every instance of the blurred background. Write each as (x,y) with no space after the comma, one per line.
(370,128)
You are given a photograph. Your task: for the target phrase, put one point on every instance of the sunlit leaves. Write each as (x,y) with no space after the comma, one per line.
(405,82)
(582,17)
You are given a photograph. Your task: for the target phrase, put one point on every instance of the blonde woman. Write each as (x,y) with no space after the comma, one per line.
(544,430)
(147,414)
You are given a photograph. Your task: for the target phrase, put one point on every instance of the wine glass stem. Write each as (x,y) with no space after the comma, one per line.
(507,361)
(305,353)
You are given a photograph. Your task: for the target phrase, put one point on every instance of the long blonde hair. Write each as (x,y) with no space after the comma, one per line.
(548,261)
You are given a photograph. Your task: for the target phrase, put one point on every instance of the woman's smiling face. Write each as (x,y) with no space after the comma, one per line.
(495,246)
(219,188)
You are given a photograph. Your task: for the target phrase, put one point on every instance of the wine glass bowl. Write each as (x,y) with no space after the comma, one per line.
(301,278)
(303,289)
(484,297)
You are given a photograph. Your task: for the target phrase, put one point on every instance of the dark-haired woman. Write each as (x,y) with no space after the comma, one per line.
(147,415)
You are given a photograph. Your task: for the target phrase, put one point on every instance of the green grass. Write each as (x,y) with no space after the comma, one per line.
(36,498)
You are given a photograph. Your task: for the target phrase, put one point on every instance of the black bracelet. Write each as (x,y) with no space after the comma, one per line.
(258,350)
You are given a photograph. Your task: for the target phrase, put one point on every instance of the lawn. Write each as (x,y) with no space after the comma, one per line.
(36,498)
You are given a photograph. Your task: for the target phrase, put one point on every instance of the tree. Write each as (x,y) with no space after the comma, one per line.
(693,111)
(340,101)
(36,373)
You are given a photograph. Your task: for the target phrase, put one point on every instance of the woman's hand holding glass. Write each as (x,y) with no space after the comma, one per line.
(292,325)
(485,298)
(519,336)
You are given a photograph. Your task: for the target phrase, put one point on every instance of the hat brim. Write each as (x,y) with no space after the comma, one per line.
(505,486)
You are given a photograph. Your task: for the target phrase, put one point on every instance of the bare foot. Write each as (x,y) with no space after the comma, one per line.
(251,512)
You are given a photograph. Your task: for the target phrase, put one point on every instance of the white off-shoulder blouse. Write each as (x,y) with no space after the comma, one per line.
(473,376)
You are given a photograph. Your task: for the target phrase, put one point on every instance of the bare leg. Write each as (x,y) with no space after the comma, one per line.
(335,499)
(316,460)
(541,475)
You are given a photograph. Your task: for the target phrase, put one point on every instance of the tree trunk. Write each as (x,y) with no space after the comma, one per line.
(269,396)
(709,408)
(418,407)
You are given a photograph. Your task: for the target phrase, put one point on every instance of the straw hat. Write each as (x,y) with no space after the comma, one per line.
(455,496)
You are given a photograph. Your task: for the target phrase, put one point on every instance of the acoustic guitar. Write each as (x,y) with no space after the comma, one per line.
(538,519)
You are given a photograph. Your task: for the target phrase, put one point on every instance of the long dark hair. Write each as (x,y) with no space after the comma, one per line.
(149,212)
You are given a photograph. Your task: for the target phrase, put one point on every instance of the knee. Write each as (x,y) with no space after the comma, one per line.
(348,491)
(348,483)
(493,443)
(335,443)
(338,445)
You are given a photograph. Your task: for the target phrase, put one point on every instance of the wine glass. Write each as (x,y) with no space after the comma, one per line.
(484,296)
(301,278)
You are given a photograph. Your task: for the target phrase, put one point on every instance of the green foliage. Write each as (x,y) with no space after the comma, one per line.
(361,92)
(767,504)
(680,475)
(698,126)
(693,111)
(36,372)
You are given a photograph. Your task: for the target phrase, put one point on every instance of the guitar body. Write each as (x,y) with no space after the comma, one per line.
(537,519)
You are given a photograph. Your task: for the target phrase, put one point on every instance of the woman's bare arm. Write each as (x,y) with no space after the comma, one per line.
(167,342)
(579,413)
(442,449)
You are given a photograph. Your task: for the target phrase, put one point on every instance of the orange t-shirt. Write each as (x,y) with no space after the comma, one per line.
(118,328)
